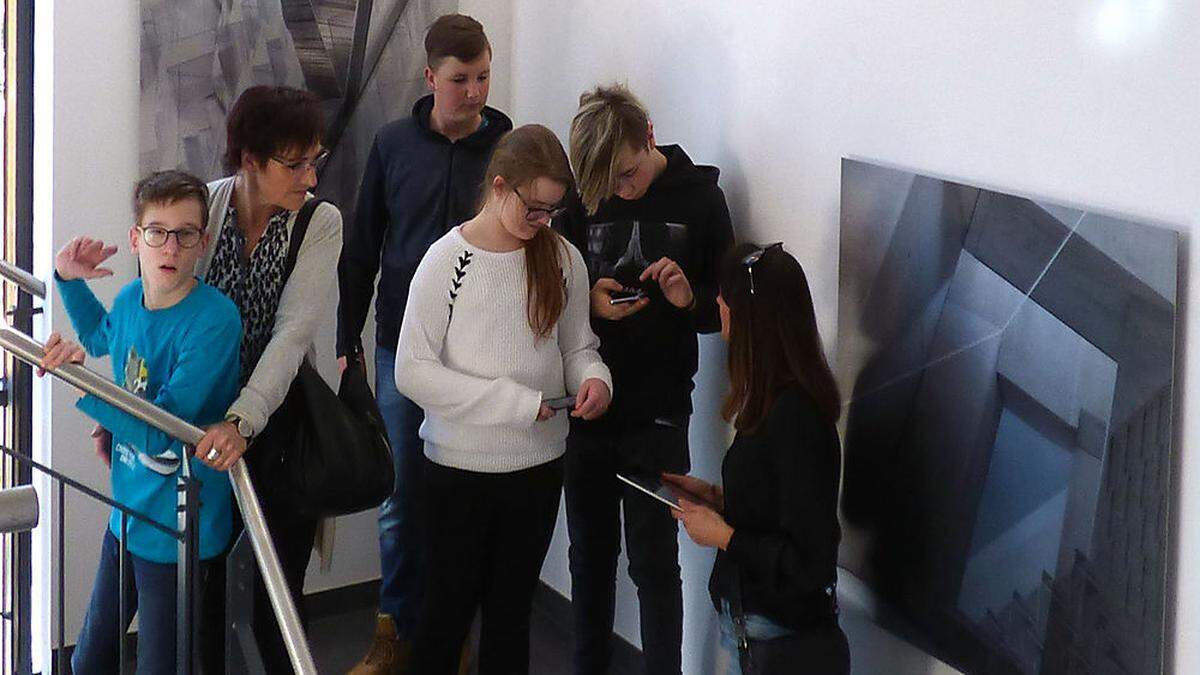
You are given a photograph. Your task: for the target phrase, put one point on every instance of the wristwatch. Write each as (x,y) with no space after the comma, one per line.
(243,427)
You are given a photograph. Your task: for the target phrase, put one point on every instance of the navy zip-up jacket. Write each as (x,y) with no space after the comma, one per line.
(417,185)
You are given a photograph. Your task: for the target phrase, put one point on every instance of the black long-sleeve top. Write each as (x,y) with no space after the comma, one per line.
(781,495)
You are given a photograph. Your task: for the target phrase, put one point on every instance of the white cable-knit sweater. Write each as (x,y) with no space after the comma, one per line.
(468,357)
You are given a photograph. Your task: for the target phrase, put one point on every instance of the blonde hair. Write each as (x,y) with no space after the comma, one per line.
(522,156)
(609,118)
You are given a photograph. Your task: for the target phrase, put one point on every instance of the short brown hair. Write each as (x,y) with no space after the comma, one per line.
(267,121)
(609,118)
(522,156)
(168,187)
(456,35)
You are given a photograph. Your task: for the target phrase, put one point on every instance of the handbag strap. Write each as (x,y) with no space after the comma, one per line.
(299,230)
(738,614)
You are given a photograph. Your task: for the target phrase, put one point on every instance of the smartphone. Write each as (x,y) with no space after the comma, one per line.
(654,489)
(626,295)
(560,403)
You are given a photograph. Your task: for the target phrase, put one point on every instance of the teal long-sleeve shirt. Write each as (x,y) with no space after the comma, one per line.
(183,359)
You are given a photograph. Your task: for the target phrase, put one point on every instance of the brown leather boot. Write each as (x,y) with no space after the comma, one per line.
(465,660)
(388,655)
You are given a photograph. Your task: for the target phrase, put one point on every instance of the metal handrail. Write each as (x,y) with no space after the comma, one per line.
(28,350)
(24,280)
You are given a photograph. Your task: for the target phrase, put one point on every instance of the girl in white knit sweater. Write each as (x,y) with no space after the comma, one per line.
(496,325)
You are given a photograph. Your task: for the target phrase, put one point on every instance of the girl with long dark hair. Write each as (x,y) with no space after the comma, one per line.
(495,328)
(775,520)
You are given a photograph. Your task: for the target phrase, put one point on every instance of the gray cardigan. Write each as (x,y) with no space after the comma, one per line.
(306,301)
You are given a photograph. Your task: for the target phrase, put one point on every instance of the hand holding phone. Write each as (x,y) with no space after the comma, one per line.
(653,489)
(625,295)
(560,403)
(612,301)
(696,490)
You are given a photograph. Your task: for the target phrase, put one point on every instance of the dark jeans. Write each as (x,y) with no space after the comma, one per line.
(400,516)
(150,593)
(292,535)
(486,537)
(594,503)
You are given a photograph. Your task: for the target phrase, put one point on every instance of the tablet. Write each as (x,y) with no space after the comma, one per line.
(653,488)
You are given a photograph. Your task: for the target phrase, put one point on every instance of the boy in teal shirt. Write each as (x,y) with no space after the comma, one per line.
(174,341)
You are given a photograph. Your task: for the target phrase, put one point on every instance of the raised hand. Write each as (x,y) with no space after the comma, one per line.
(674,283)
(81,259)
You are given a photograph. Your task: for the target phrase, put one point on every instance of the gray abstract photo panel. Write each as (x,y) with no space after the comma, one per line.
(1009,364)
(198,56)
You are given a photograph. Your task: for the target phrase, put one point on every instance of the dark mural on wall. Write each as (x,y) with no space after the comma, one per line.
(1009,364)
(363,58)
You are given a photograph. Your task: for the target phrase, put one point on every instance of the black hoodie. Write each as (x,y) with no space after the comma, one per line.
(416,187)
(653,354)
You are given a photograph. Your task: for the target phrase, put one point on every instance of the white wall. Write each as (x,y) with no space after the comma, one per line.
(86,94)
(1091,102)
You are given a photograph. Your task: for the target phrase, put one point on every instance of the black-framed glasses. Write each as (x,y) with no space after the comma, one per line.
(533,215)
(301,165)
(156,237)
(753,257)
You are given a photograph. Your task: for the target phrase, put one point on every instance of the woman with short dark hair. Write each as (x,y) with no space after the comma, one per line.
(274,150)
(775,522)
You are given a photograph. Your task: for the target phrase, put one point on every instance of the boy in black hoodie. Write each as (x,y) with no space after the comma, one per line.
(653,224)
(422,178)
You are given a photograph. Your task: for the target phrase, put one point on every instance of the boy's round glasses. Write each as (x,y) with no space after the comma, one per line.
(156,237)
(754,257)
(533,215)
(302,165)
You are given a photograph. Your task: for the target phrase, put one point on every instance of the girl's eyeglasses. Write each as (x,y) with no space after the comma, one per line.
(533,215)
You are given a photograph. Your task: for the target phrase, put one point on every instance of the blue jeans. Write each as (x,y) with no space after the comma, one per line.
(150,592)
(758,627)
(400,516)
(816,650)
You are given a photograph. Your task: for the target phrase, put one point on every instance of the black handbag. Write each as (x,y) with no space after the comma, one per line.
(321,453)
(821,650)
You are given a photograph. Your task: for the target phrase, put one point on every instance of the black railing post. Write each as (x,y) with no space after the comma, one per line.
(187,618)
(122,588)
(242,654)
(61,581)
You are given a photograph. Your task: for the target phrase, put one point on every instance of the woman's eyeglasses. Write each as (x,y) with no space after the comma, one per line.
(753,257)
(156,237)
(533,215)
(302,165)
